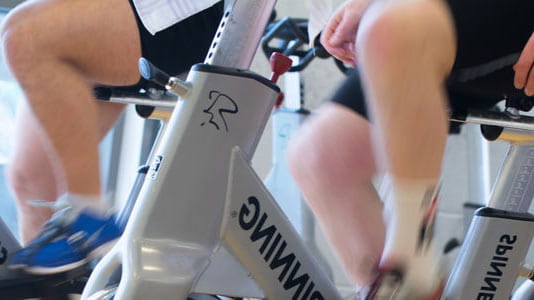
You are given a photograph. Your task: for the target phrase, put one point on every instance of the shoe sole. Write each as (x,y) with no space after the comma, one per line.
(102,250)
(16,267)
(396,277)
(96,253)
(54,270)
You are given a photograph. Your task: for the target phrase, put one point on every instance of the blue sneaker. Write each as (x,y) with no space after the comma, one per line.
(50,233)
(68,242)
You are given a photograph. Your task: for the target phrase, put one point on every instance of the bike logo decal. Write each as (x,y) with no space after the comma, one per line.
(154,167)
(221,104)
(497,266)
(276,252)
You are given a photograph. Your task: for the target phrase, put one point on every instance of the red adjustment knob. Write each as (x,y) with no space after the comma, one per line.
(279,65)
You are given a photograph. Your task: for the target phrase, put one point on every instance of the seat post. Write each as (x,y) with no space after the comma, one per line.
(244,23)
(478,166)
(514,188)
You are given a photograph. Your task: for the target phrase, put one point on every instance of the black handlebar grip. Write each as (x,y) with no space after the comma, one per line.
(318,49)
(152,73)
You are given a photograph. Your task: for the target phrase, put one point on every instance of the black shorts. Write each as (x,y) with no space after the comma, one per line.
(177,48)
(490,36)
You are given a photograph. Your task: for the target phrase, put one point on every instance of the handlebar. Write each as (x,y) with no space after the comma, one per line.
(289,36)
(152,73)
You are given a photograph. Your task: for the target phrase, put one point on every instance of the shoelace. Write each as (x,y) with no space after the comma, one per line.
(62,207)
(54,228)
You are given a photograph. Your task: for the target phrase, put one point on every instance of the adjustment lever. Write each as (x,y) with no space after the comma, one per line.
(280,64)
(171,83)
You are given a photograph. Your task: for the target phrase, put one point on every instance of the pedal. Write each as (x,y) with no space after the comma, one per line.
(388,286)
(16,284)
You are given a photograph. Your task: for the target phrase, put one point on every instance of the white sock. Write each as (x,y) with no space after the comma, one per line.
(409,209)
(80,202)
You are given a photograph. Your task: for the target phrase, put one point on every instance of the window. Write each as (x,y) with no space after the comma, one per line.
(9,97)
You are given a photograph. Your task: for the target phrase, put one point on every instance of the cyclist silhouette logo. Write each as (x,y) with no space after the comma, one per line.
(221,104)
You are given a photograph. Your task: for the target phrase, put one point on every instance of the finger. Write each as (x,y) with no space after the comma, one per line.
(351,63)
(524,64)
(350,54)
(331,27)
(346,31)
(348,60)
(342,54)
(345,50)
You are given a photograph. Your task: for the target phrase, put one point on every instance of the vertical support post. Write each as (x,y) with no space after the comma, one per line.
(478,166)
(239,33)
(174,225)
(515,188)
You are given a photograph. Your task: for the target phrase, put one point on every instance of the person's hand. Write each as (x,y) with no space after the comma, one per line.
(524,73)
(339,36)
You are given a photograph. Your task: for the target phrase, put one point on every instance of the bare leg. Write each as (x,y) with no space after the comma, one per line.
(405,50)
(332,161)
(56,49)
(30,173)
(28,155)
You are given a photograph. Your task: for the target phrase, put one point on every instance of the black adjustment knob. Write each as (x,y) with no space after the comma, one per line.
(152,73)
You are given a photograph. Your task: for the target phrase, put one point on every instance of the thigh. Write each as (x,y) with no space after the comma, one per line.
(99,37)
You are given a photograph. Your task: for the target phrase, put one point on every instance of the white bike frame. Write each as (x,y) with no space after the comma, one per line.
(204,222)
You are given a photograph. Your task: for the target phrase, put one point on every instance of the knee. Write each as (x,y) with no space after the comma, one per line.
(19,37)
(406,31)
(302,154)
(332,147)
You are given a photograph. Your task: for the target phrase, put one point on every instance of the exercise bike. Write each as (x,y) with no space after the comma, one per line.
(158,106)
(239,243)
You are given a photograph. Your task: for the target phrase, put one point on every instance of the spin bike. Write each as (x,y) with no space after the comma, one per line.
(238,243)
(230,114)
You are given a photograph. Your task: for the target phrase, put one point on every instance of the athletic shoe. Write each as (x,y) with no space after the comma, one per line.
(68,242)
(390,285)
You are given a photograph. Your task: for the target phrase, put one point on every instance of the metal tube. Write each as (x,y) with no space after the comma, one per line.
(244,23)
(478,166)
(144,101)
(514,189)
(497,119)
